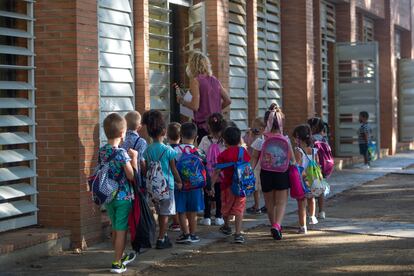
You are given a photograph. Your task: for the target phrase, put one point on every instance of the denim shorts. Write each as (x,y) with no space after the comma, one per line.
(363,149)
(189,201)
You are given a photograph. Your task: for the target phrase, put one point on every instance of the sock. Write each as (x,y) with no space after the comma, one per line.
(277,226)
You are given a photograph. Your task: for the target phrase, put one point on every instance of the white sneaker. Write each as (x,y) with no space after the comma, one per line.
(219,221)
(205,221)
(322,215)
(365,167)
(313,220)
(303,230)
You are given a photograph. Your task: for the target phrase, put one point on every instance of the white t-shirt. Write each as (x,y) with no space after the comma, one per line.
(205,143)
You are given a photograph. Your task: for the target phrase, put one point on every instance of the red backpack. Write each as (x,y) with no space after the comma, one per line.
(326,160)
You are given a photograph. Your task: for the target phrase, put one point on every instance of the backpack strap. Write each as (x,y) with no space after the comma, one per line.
(241,153)
(136,143)
(305,154)
(229,164)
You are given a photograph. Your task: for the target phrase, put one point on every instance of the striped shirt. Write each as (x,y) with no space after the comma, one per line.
(364,129)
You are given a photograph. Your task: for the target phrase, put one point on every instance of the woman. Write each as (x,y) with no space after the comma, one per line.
(209,96)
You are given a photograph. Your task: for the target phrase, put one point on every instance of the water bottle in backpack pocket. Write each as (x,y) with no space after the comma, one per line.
(243,182)
(275,154)
(191,169)
(156,181)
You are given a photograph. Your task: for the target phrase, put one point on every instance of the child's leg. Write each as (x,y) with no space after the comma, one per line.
(184,223)
(207,205)
(256,199)
(270,205)
(238,223)
(311,207)
(321,203)
(176,219)
(163,225)
(192,222)
(217,196)
(280,199)
(120,239)
(302,212)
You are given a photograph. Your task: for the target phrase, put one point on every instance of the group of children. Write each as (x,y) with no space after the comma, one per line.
(127,151)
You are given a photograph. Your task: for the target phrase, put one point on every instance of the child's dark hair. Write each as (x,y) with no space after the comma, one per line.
(188,131)
(317,125)
(216,123)
(232,136)
(364,114)
(174,131)
(272,107)
(303,133)
(113,125)
(155,123)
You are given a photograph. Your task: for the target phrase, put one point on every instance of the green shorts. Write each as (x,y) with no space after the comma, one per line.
(118,212)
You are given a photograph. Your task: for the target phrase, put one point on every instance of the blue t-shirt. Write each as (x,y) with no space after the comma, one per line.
(157,150)
(130,141)
(116,169)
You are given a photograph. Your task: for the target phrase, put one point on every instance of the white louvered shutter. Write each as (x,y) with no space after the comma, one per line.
(160,67)
(406,99)
(328,32)
(238,63)
(368,29)
(18,205)
(269,54)
(116,59)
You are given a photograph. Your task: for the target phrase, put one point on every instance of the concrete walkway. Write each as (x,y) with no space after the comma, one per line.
(97,259)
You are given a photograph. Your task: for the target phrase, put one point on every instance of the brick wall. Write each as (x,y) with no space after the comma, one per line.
(252,59)
(67,114)
(346,22)
(375,7)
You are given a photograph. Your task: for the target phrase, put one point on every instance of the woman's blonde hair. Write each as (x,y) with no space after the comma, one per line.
(198,63)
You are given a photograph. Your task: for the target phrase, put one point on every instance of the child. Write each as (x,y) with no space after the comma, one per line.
(364,136)
(157,151)
(275,185)
(120,169)
(232,205)
(213,145)
(190,202)
(173,136)
(132,139)
(318,128)
(255,133)
(304,152)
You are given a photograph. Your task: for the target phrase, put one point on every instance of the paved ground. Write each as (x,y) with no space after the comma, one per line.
(379,211)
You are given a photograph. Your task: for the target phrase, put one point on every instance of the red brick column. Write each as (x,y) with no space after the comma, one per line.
(67,115)
(141,48)
(317,52)
(217,13)
(297,61)
(346,22)
(252,59)
(384,34)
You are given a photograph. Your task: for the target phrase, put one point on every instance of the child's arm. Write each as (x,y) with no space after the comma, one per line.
(130,166)
(255,158)
(214,179)
(292,154)
(177,177)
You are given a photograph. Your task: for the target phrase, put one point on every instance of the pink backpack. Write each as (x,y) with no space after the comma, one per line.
(326,160)
(212,154)
(275,155)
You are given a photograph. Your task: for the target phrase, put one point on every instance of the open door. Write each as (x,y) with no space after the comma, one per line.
(356,90)
(406,99)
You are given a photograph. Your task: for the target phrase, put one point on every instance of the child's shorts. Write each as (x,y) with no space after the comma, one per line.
(166,207)
(118,212)
(274,181)
(363,149)
(189,201)
(231,204)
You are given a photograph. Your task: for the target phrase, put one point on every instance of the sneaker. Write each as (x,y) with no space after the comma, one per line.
(183,238)
(128,258)
(254,211)
(174,227)
(226,230)
(276,234)
(238,238)
(313,220)
(194,239)
(303,230)
(322,215)
(163,244)
(205,221)
(365,167)
(118,268)
(219,221)
(263,210)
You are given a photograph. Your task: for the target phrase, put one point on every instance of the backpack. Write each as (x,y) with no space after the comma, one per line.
(102,187)
(372,151)
(213,152)
(243,183)
(156,181)
(326,160)
(191,169)
(314,178)
(275,155)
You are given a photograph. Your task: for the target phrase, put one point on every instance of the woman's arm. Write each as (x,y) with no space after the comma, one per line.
(226,101)
(195,93)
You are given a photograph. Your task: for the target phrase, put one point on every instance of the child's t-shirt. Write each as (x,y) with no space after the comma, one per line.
(158,150)
(364,129)
(135,142)
(207,141)
(116,169)
(231,154)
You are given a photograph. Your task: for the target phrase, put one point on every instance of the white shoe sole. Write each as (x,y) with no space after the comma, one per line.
(129,261)
(118,271)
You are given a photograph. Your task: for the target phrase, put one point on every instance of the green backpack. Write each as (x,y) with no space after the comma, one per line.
(314,178)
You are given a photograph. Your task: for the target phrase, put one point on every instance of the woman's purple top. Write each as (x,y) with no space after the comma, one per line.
(210,99)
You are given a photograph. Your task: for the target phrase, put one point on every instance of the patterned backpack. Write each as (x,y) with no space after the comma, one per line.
(156,181)
(314,178)
(102,187)
(275,155)
(326,160)
(191,169)
(243,183)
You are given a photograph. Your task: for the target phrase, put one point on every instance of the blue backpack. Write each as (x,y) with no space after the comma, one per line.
(243,178)
(191,169)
